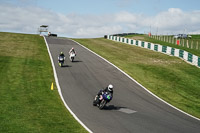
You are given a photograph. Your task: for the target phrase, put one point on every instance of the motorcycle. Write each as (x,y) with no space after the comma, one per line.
(72,56)
(102,100)
(61,61)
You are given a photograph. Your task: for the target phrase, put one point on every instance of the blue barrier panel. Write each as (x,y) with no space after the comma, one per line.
(142,44)
(164,49)
(181,52)
(156,47)
(172,51)
(131,41)
(190,57)
(137,42)
(149,45)
(199,61)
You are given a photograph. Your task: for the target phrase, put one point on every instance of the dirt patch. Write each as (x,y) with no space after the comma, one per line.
(137,37)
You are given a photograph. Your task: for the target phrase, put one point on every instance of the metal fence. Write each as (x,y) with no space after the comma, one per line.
(188,43)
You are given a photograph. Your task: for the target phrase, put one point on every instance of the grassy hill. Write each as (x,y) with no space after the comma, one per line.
(170,78)
(27,103)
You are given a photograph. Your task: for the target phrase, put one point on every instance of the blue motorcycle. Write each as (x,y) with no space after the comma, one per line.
(102,100)
(61,61)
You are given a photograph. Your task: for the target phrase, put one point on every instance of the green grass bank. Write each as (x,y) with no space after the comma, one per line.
(192,47)
(27,103)
(168,77)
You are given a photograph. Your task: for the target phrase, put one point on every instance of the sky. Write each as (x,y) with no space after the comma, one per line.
(96,18)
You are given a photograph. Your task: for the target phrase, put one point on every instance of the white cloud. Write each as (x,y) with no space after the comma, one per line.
(126,17)
(176,21)
(172,21)
(28,19)
(98,31)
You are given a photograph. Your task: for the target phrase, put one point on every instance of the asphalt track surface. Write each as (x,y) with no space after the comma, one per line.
(132,110)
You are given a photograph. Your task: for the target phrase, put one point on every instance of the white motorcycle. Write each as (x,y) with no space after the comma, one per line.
(72,56)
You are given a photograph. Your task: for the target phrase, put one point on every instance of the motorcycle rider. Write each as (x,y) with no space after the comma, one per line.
(72,50)
(108,89)
(61,55)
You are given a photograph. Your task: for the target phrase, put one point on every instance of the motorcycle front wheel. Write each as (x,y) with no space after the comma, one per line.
(102,104)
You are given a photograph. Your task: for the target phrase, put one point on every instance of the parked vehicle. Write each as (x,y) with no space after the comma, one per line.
(50,34)
(182,36)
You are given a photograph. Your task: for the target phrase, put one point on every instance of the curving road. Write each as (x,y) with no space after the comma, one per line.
(132,110)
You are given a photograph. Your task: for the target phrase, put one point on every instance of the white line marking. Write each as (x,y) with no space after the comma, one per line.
(59,90)
(139,83)
(128,111)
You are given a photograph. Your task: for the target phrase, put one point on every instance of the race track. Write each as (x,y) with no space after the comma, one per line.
(132,110)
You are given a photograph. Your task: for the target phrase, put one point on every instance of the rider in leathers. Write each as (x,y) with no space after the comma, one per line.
(61,55)
(108,89)
(72,50)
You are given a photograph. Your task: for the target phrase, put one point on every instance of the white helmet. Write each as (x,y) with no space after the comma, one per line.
(110,87)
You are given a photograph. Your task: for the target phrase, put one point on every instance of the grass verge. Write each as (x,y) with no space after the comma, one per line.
(27,103)
(168,77)
(152,40)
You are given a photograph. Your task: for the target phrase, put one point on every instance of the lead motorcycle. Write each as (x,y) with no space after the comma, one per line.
(102,100)
(72,56)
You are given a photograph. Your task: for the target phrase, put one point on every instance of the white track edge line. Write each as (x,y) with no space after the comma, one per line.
(59,90)
(139,83)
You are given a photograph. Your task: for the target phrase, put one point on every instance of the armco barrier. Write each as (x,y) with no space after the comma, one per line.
(188,57)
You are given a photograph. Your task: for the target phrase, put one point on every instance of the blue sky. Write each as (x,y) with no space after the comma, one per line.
(94,18)
(149,7)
